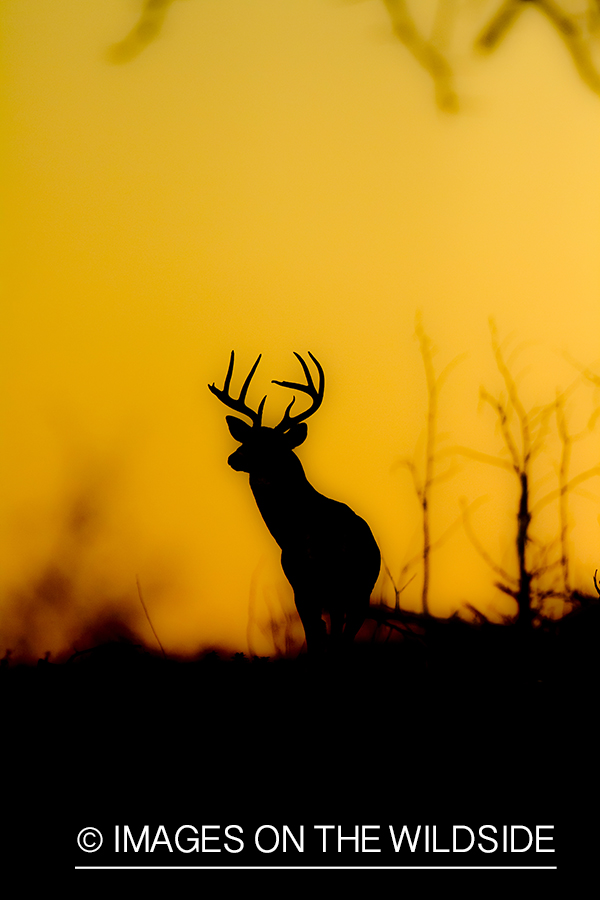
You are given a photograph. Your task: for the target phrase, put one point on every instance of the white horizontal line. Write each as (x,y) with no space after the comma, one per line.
(233,868)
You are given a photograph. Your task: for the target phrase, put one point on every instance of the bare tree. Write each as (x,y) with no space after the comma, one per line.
(524,433)
(566,485)
(533,430)
(426,475)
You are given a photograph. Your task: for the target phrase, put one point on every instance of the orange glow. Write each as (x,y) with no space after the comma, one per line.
(273,178)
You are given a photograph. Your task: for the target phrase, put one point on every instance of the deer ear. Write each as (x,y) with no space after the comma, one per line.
(296,435)
(239,429)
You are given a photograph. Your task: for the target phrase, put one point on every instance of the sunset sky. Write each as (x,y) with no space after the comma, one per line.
(275,177)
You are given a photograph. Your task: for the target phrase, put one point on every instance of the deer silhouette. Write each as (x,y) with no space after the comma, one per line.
(328,553)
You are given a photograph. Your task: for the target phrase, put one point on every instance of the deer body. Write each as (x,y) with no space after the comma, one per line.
(329,554)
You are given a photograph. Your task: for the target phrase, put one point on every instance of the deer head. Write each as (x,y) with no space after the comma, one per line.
(264,449)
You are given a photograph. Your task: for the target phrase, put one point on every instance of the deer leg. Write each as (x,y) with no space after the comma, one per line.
(355,617)
(337,626)
(315,629)
(315,632)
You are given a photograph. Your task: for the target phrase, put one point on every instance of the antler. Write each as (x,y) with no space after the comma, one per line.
(309,388)
(239,405)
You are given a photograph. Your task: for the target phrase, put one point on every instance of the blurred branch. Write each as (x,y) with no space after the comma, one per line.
(466,511)
(499,25)
(568,486)
(146,30)
(425,52)
(397,590)
(586,371)
(482,457)
(435,545)
(579,30)
(578,39)
(501,411)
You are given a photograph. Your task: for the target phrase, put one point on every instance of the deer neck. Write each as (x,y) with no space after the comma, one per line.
(283,498)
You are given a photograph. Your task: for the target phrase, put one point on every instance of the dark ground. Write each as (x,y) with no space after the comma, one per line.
(468,726)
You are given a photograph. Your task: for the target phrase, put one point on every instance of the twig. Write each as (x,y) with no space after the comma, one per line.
(137,581)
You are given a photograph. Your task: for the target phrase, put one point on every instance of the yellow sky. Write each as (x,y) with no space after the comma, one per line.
(271,178)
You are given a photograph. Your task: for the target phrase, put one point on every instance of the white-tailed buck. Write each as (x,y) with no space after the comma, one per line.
(328,553)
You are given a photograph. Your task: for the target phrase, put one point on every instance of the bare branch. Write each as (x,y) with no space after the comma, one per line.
(543,428)
(449,368)
(573,483)
(538,571)
(499,26)
(514,399)
(146,30)
(435,545)
(593,419)
(479,616)
(397,590)
(578,30)
(482,552)
(574,41)
(481,457)
(444,476)
(586,371)
(501,412)
(425,52)
(139,590)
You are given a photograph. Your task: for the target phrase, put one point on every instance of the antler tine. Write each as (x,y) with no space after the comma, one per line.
(229,374)
(246,385)
(239,405)
(319,370)
(309,388)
